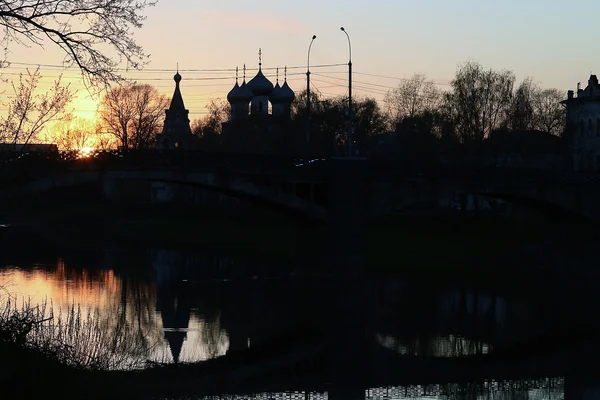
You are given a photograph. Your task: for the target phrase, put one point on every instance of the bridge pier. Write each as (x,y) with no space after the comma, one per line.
(345,247)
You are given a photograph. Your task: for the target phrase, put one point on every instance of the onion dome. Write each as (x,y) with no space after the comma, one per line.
(244,92)
(177,77)
(232,96)
(260,85)
(239,94)
(274,97)
(286,93)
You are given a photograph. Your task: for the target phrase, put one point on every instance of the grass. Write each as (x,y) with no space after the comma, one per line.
(72,338)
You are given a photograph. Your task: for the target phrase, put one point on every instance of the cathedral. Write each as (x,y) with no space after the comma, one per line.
(260,112)
(259,118)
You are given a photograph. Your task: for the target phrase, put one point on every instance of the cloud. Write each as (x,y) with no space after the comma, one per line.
(262,21)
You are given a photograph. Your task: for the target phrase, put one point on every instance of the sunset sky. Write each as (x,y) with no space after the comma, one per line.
(552,41)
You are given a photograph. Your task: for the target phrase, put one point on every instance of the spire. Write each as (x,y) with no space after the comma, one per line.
(244,72)
(260,59)
(285,74)
(236,75)
(177,100)
(277,80)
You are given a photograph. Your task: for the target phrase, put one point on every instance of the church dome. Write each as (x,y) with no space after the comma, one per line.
(274,97)
(232,95)
(260,85)
(244,93)
(239,94)
(286,93)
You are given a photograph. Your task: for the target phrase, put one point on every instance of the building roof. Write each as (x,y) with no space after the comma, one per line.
(239,94)
(287,93)
(260,85)
(274,97)
(177,100)
(590,93)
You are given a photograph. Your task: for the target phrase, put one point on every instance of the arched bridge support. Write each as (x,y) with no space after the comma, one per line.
(348,209)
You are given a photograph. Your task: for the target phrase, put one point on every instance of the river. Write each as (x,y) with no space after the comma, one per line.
(400,339)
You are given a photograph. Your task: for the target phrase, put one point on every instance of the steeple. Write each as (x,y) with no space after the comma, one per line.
(176,133)
(177,100)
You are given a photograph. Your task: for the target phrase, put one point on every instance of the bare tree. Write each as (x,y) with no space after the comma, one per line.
(413,97)
(85,30)
(479,100)
(73,134)
(522,115)
(29,112)
(550,113)
(218,112)
(133,114)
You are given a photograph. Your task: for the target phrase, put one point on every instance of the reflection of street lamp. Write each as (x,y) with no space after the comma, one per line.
(350,126)
(308,97)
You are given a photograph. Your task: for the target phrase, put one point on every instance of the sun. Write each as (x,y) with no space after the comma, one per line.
(86,152)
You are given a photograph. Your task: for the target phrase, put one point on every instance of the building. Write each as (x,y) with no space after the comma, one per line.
(583,125)
(176,133)
(260,113)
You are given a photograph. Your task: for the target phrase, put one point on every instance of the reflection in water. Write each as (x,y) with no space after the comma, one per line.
(543,389)
(196,308)
(159,317)
(449,346)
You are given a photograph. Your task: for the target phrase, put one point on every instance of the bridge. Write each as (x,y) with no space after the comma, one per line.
(310,189)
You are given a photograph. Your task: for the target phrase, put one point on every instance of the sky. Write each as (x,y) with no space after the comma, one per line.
(552,41)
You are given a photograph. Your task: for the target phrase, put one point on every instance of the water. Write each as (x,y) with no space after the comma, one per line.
(380,339)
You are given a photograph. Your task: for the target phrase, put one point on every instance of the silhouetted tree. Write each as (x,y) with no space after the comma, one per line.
(29,112)
(73,134)
(479,100)
(328,124)
(521,114)
(329,129)
(369,121)
(413,97)
(208,129)
(550,113)
(87,31)
(133,114)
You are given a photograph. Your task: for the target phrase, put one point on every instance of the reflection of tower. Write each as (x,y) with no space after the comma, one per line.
(174,307)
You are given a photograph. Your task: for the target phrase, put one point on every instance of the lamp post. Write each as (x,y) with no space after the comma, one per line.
(308,122)
(350,125)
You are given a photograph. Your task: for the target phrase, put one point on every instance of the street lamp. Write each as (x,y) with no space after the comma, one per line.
(350,125)
(308,97)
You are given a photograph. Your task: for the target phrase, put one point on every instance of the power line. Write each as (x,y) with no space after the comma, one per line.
(396,78)
(171,69)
